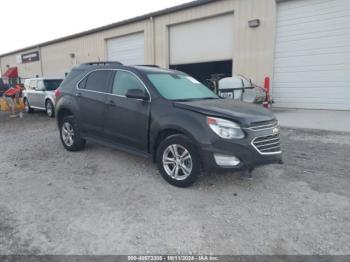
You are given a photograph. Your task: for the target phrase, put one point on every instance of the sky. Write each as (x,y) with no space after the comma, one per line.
(29,22)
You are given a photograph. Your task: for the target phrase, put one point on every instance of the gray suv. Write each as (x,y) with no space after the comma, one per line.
(39,94)
(165,115)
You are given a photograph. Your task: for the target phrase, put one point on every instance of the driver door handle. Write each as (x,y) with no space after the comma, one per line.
(78,94)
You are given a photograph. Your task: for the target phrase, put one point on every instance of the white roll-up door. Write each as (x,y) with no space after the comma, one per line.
(312,57)
(202,41)
(130,49)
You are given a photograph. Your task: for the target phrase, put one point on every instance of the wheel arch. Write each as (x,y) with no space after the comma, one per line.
(63,112)
(66,107)
(49,99)
(165,133)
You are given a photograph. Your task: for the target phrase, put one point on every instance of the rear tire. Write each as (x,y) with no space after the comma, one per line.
(27,107)
(50,109)
(70,134)
(178,161)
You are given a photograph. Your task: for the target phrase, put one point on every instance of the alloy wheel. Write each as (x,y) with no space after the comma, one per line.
(177,162)
(68,134)
(49,109)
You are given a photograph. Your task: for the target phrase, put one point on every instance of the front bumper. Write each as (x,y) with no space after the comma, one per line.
(249,156)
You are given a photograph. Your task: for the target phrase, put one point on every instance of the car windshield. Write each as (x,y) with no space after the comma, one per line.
(180,87)
(52,85)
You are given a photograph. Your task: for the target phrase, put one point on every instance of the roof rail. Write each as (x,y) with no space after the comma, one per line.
(150,66)
(103,63)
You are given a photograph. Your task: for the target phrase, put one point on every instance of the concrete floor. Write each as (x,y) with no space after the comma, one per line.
(331,120)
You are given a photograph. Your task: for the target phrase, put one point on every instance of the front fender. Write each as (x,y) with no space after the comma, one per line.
(189,123)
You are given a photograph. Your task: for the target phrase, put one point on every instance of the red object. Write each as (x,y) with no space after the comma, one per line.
(57,93)
(267,85)
(266,103)
(12,72)
(211,121)
(13,91)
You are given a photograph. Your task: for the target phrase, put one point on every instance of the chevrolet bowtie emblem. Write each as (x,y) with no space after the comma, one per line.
(275,130)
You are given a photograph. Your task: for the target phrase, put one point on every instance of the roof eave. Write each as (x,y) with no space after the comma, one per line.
(110,26)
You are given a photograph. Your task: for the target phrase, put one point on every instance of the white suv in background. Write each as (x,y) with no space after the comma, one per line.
(39,94)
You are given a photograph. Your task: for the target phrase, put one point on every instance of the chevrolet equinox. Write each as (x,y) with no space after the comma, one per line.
(166,115)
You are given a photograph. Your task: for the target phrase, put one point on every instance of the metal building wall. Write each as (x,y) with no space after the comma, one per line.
(57,60)
(26,70)
(253,48)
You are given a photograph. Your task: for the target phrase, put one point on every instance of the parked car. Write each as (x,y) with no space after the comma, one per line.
(39,94)
(166,115)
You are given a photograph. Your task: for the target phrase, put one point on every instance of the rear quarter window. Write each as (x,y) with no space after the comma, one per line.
(82,83)
(72,79)
(96,81)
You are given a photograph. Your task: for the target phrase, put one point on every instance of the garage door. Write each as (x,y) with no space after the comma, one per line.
(130,50)
(202,41)
(312,57)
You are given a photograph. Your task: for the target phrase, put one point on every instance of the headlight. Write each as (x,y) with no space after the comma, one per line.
(224,128)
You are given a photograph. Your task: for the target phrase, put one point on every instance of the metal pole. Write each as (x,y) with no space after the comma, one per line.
(41,62)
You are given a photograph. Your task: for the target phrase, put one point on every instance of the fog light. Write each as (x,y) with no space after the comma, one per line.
(224,160)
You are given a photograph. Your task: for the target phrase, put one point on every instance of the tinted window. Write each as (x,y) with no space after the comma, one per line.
(124,81)
(52,84)
(82,83)
(97,81)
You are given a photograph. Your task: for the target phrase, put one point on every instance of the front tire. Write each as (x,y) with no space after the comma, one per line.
(50,109)
(178,161)
(70,134)
(27,107)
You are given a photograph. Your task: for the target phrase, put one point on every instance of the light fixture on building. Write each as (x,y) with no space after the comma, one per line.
(72,55)
(254,23)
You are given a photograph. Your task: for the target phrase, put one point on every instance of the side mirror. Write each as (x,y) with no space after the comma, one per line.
(137,94)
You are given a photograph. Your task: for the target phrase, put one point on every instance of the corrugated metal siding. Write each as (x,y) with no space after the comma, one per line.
(312,68)
(26,70)
(91,48)
(252,51)
(163,22)
(129,49)
(253,48)
(205,40)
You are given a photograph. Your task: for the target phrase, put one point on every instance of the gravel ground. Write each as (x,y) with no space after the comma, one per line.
(102,201)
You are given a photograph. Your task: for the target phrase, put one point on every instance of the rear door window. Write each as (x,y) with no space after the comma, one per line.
(97,81)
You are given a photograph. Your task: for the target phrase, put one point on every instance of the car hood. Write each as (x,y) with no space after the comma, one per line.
(244,113)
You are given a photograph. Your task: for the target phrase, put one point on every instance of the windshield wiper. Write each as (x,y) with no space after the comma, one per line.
(209,98)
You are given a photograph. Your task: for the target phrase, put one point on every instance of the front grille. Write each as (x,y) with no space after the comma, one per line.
(268,145)
(259,126)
